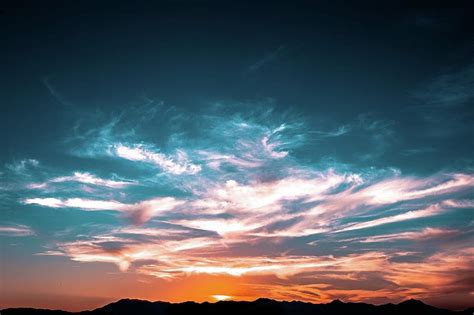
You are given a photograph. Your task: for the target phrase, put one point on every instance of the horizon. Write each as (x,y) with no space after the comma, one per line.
(220,150)
(229,299)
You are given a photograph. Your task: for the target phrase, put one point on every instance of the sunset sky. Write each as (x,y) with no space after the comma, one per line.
(209,150)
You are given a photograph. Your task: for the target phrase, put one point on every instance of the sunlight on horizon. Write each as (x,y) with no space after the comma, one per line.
(219,297)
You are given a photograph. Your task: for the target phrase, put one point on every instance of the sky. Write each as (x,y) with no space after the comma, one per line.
(208,150)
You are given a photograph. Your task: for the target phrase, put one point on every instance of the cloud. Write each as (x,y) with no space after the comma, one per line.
(22,165)
(55,93)
(139,212)
(340,131)
(170,258)
(449,89)
(373,277)
(378,132)
(120,248)
(410,215)
(252,206)
(220,226)
(424,234)
(273,55)
(84,204)
(444,105)
(143,211)
(458,182)
(416,151)
(245,144)
(229,143)
(316,200)
(393,190)
(178,166)
(215,161)
(17,230)
(270,147)
(358,276)
(463,203)
(84,178)
(269,196)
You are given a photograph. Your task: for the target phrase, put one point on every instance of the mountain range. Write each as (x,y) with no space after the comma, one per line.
(260,307)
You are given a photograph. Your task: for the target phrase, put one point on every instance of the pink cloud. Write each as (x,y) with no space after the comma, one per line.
(269,148)
(451,203)
(17,230)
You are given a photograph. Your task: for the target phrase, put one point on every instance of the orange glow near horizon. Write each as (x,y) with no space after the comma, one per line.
(219,297)
(414,280)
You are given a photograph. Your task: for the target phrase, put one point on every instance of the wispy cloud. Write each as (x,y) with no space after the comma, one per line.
(85,204)
(233,197)
(374,277)
(444,105)
(410,215)
(315,277)
(16,230)
(462,203)
(179,165)
(85,178)
(139,212)
(449,89)
(271,56)
(415,151)
(323,197)
(340,131)
(425,234)
(22,165)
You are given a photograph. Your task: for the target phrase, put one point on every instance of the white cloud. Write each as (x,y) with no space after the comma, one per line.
(424,234)
(84,178)
(139,212)
(410,215)
(178,166)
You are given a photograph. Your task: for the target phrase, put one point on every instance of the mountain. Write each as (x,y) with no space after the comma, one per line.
(257,307)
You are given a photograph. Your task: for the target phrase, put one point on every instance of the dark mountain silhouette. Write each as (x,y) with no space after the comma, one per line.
(257,307)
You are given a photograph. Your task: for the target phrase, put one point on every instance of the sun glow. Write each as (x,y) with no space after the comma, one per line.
(219,297)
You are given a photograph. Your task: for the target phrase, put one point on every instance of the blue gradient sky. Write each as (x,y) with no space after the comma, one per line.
(182,150)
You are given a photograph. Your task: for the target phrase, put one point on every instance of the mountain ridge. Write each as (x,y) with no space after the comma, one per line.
(127,306)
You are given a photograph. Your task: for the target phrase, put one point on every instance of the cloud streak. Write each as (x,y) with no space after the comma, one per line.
(410,215)
(178,166)
(84,178)
(138,212)
(18,230)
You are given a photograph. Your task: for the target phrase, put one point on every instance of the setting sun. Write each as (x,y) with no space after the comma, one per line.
(219,297)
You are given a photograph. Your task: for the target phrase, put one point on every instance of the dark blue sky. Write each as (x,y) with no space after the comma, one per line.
(330,63)
(349,124)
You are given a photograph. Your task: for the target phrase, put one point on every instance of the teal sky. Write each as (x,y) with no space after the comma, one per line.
(307,151)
